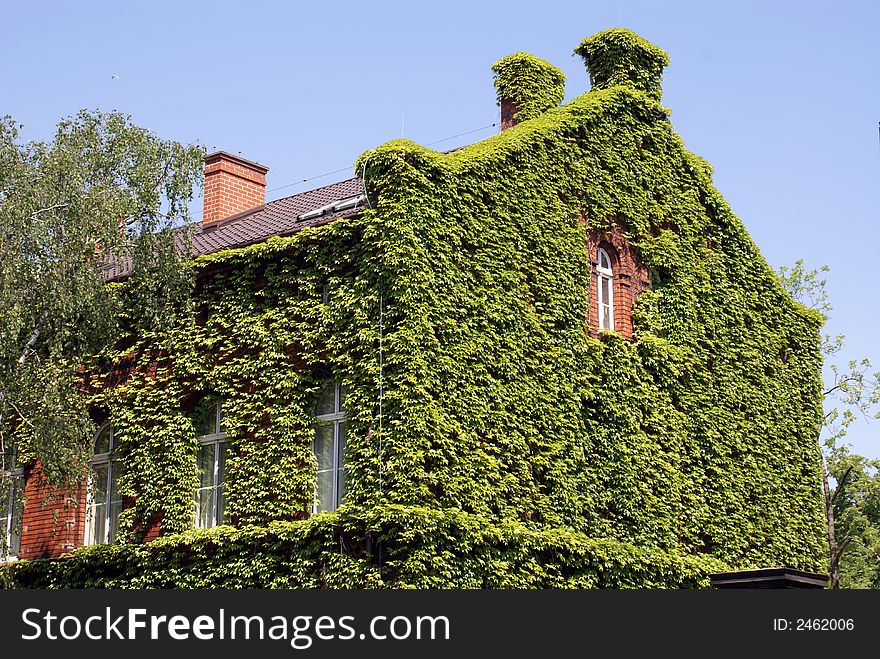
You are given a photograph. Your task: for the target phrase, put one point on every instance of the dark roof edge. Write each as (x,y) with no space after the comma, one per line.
(778,577)
(354,212)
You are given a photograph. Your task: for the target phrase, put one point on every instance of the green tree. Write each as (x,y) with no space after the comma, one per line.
(102,191)
(851,483)
(857,517)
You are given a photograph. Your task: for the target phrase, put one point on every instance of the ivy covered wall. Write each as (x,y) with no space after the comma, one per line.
(491,440)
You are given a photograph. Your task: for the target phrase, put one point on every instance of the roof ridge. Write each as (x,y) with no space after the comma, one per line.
(329,185)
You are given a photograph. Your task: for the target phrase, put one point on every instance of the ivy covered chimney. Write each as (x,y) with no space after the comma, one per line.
(621,57)
(232,185)
(526,87)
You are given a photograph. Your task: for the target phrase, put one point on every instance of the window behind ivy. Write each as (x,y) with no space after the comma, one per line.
(329,447)
(105,502)
(11,506)
(211,466)
(605,290)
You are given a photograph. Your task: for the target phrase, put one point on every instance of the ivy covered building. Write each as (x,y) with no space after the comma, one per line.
(553,358)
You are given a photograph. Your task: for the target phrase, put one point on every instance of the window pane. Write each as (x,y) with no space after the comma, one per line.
(7,502)
(115,502)
(99,492)
(7,459)
(205,464)
(340,475)
(115,509)
(220,517)
(327,401)
(99,483)
(325,490)
(221,462)
(323,446)
(113,485)
(606,313)
(210,498)
(340,487)
(329,445)
(205,508)
(10,518)
(14,540)
(102,441)
(97,523)
(340,438)
(206,422)
(221,505)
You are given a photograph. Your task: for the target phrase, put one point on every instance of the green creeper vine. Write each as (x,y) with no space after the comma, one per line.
(513,449)
(620,57)
(531,84)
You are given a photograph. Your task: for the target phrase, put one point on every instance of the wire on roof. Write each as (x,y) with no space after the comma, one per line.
(342,169)
(306,180)
(475,130)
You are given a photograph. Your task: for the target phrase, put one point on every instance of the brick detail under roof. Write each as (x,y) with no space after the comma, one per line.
(232,185)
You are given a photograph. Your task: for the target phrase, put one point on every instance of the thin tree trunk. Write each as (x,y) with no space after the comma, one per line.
(32,340)
(834,552)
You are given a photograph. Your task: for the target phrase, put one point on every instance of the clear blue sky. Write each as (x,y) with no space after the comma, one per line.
(781,97)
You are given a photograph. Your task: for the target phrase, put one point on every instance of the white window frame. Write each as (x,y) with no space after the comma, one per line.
(218,438)
(100,459)
(604,272)
(337,419)
(13,511)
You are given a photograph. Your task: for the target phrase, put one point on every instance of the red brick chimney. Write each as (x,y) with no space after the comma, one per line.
(526,87)
(232,185)
(508,110)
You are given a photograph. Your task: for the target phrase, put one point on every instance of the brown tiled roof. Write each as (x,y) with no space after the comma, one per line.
(281,217)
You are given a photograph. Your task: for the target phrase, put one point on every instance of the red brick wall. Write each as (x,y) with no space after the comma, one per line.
(630,278)
(232,185)
(53,521)
(153,528)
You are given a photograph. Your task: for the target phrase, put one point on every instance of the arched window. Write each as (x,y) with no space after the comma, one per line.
(329,447)
(11,507)
(211,465)
(105,503)
(605,290)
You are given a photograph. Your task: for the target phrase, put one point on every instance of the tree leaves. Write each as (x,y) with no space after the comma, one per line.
(102,190)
